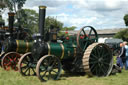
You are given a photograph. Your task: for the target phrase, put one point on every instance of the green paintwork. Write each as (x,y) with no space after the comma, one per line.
(23,47)
(55,49)
(69,49)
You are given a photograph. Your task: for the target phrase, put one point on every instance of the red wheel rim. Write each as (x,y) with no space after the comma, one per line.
(10,61)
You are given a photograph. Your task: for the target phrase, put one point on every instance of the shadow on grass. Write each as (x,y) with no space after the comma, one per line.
(64,76)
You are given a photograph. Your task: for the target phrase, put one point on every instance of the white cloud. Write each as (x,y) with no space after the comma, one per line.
(112,3)
(98,13)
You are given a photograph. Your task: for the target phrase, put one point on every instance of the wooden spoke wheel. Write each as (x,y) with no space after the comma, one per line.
(86,36)
(98,60)
(10,61)
(26,65)
(48,67)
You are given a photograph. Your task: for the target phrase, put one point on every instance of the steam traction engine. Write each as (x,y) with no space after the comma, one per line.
(14,46)
(76,54)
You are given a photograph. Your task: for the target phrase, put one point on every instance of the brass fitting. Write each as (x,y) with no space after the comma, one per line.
(42,7)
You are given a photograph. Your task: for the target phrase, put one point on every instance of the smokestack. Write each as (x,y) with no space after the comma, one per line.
(42,10)
(11,22)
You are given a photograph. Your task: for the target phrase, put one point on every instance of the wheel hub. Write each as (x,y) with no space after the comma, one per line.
(100,59)
(49,68)
(29,64)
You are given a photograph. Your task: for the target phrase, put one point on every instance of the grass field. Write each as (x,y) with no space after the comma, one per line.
(15,78)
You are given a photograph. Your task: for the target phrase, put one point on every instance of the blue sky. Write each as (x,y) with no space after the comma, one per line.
(101,14)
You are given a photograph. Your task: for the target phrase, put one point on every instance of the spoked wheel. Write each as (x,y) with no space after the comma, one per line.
(26,65)
(48,67)
(86,36)
(10,61)
(98,60)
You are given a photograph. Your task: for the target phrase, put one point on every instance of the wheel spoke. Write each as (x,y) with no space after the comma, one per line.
(54,64)
(85,46)
(94,70)
(29,72)
(54,71)
(26,70)
(94,56)
(105,55)
(90,33)
(49,61)
(44,74)
(25,62)
(7,64)
(33,70)
(42,70)
(93,62)
(92,66)
(83,31)
(24,67)
(49,75)
(105,63)
(98,52)
(9,58)
(102,70)
(15,59)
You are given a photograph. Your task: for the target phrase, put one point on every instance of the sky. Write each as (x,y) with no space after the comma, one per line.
(101,14)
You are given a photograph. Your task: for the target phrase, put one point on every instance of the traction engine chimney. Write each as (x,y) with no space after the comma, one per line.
(11,22)
(42,11)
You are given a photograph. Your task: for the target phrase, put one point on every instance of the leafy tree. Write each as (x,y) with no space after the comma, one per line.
(126,19)
(2,5)
(12,4)
(1,19)
(28,19)
(53,21)
(122,35)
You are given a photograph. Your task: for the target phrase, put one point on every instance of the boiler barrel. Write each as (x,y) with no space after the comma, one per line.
(63,51)
(23,46)
(19,46)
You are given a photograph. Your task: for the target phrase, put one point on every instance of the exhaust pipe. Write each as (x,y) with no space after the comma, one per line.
(42,11)
(11,22)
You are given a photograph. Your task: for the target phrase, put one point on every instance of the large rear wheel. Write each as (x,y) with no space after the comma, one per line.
(98,60)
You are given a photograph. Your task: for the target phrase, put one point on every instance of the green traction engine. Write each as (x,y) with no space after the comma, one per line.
(74,54)
(15,45)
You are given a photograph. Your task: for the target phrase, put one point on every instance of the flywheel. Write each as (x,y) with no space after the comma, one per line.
(86,36)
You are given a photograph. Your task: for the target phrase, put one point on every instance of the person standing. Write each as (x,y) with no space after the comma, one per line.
(126,55)
(121,57)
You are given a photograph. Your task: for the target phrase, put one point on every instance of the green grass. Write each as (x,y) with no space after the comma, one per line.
(15,78)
